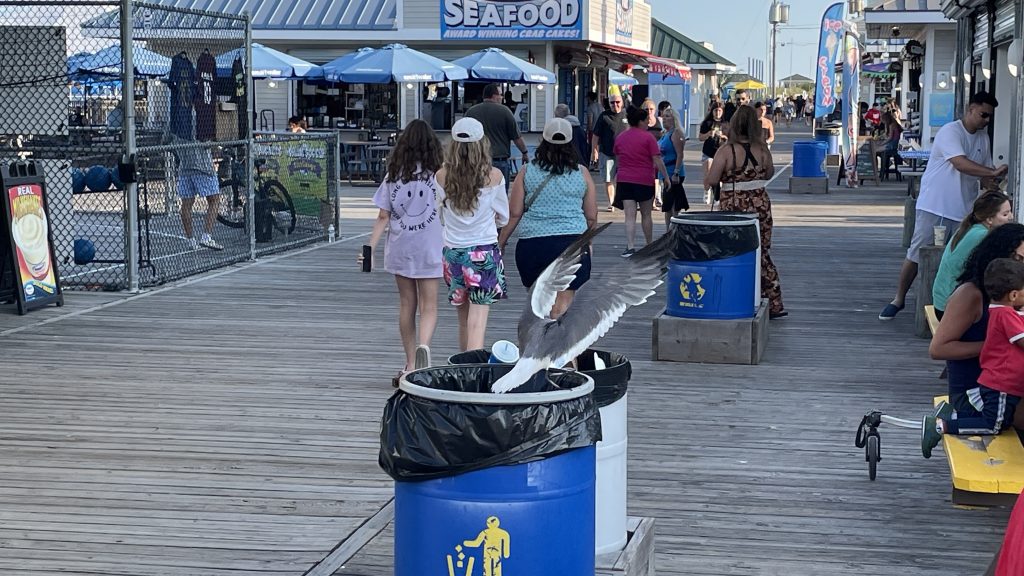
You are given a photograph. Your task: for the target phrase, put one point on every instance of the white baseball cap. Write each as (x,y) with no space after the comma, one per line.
(467,130)
(558,131)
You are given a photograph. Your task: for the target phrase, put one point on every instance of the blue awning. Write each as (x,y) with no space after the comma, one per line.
(294,14)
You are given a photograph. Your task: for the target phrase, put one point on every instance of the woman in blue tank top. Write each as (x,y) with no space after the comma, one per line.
(961,332)
(551,203)
(671,144)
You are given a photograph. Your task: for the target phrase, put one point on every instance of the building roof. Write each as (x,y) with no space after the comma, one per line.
(903,5)
(303,14)
(669,43)
(796,79)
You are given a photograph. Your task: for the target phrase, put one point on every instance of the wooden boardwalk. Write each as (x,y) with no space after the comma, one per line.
(230,425)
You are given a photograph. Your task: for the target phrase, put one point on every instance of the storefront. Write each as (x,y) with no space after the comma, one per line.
(988,57)
(579,40)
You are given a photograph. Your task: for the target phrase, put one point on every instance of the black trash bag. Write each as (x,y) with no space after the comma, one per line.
(478,356)
(696,242)
(423,439)
(610,383)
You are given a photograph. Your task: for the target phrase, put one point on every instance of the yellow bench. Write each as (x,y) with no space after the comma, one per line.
(933,320)
(985,470)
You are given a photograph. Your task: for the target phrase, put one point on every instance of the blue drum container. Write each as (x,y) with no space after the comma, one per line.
(830,136)
(714,268)
(535,517)
(809,159)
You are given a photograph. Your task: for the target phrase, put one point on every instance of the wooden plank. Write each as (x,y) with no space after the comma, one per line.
(355,542)
(933,320)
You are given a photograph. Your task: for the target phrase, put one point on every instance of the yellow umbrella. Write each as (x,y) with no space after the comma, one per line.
(749,85)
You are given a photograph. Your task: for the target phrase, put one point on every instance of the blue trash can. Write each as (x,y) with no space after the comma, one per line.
(830,135)
(714,270)
(524,509)
(809,159)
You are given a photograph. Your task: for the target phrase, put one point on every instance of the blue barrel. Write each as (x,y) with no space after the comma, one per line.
(532,516)
(809,159)
(830,136)
(722,289)
(535,518)
(713,272)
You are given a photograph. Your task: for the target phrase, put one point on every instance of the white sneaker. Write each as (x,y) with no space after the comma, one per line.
(207,241)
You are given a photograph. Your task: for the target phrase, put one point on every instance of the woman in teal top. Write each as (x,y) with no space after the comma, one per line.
(671,144)
(991,210)
(551,203)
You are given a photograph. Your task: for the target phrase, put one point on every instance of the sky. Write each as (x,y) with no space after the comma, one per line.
(739,29)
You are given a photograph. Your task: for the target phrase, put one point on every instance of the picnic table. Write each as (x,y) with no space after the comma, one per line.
(915,156)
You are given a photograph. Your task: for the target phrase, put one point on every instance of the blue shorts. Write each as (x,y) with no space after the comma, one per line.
(192,185)
(534,255)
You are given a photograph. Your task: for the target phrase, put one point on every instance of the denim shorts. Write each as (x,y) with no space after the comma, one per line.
(197,184)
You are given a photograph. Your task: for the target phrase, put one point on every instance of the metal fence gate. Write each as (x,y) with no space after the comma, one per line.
(162,97)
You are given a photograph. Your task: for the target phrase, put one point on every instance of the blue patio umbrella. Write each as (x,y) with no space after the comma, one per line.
(334,67)
(620,79)
(399,63)
(107,62)
(270,64)
(497,65)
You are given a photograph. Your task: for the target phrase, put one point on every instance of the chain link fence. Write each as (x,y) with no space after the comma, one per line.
(205,194)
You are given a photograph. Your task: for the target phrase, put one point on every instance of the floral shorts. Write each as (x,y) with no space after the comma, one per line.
(475,274)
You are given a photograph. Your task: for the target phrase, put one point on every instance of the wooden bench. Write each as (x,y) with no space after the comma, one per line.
(933,320)
(985,470)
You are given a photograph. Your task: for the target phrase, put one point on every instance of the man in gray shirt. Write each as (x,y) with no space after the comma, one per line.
(500,128)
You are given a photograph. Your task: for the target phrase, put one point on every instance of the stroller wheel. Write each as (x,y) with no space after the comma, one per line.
(873,453)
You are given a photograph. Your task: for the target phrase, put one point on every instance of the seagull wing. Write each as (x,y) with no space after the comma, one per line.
(559,274)
(600,303)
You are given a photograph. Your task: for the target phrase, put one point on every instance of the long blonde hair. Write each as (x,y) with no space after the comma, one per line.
(468,169)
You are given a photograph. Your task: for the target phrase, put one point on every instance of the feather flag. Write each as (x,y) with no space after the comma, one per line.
(828,46)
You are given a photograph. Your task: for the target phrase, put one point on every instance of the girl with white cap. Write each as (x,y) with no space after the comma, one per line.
(473,206)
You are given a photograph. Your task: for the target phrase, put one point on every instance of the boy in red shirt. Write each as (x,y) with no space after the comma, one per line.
(1001,383)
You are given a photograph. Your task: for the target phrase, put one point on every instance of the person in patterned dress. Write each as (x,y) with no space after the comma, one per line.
(743,166)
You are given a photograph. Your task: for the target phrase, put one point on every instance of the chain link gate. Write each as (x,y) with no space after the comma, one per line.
(167,92)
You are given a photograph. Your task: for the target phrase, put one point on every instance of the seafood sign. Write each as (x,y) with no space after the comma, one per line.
(831,39)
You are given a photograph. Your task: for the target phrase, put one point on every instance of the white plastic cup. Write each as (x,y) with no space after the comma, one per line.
(940,235)
(504,352)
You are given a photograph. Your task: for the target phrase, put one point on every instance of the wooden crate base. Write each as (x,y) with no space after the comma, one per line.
(637,558)
(808,185)
(739,341)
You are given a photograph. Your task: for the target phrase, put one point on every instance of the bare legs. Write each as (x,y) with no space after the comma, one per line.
(472,325)
(562,301)
(707,168)
(187,204)
(609,188)
(907,275)
(630,207)
(416,295)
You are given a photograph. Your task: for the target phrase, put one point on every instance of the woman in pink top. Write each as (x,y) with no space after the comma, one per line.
(637,155)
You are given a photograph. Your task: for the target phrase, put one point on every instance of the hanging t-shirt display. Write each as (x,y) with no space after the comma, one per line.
(182,82)
(205,101)
(239,97)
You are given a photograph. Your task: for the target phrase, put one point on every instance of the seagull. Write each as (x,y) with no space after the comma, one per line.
(598,305)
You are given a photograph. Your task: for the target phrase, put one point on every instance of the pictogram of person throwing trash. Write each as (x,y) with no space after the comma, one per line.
(495,542)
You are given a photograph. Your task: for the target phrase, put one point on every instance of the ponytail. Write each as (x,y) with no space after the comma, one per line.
(986,206)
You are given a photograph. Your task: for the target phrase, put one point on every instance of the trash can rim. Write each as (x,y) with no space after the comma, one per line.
(494,399)
(739,220)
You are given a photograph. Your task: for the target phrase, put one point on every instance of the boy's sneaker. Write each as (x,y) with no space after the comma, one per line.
(930,437)
(890,311)
(207,241)
(422,357)
(628,252)
(943,411)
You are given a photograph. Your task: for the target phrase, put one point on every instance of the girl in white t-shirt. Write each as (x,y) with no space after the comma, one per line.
(473,206)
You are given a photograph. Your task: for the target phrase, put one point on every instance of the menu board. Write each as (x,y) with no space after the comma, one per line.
(30,252)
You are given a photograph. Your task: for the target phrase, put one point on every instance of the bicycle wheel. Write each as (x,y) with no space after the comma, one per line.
(873,453)
(231,212)
(281,205)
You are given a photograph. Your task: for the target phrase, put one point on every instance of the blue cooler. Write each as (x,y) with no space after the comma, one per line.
(714,272)
(532,517)
(809,159)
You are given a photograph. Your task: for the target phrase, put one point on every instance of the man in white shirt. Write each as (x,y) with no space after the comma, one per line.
(960,158)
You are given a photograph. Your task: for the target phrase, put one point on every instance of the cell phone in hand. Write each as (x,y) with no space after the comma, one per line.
(367,258)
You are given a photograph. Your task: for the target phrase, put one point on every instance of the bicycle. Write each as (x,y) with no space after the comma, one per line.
(274,207)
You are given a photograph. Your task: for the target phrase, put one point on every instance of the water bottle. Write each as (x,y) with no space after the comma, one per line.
(330,233)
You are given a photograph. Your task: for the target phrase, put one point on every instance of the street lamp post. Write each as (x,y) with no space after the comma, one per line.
(777,14)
